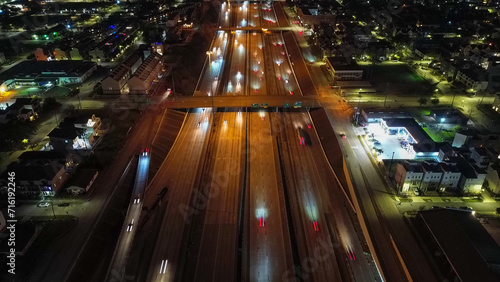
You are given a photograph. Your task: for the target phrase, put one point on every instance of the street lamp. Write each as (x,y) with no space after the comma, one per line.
(211,87)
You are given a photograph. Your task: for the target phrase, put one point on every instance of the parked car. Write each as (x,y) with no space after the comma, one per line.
(43,204)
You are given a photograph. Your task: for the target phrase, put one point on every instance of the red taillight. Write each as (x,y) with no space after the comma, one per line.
(316,227)
(261,222)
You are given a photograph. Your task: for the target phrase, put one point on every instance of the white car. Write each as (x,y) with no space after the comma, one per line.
(43,204)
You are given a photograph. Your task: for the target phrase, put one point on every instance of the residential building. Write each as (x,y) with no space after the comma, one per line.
(483,156)
(33,180)
(343,69)
(472,178)
(473,77)
(61,53)
(41,54)
(450,178)
(432,176)
(493,179)
(82,182)
(408,176)
(496,103)
(24,109)
(98,55)
(75,54)
(476,139)
(116,82)
(144,78)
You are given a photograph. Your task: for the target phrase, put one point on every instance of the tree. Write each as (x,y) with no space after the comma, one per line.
(435,101)
(422,101)
(50,104)
(71,111)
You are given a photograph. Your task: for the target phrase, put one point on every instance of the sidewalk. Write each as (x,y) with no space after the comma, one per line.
(450,199)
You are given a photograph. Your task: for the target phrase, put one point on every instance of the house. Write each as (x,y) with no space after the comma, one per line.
(432,176)
(24,109)
(61,53)
(91,128)
(142,82)
(472,178)
(450,178)
(116,82)
(483,156)
(473,77)
(66,139)
(493,179)
(408,176)
(41,54)
(476,139)
(75,54)
(33,180)
(82,181)
(496,103)
(343,69)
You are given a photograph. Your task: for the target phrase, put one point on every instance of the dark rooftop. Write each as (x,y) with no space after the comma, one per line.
(41,155)
(64,133)
(469,248)
(32,69)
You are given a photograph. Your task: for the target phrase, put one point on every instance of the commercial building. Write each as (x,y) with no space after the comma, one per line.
(343,68)
(460,246)
(311,15)
(47,73)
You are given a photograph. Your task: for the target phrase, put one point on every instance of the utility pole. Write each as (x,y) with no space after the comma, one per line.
(453,100)
(386,93)
(52,205)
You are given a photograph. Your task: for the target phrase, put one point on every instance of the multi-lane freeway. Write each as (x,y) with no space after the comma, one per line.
(250,196)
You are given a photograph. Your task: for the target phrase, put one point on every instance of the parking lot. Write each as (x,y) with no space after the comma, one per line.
(387,143)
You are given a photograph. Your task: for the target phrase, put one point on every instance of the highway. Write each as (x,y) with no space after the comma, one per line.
(177,174)
(127,234)
(294,217)
(269,249)
(307,184)
(214,230)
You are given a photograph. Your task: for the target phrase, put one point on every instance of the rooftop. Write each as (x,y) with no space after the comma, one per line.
(32,69)
(471,251)
(412,127)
